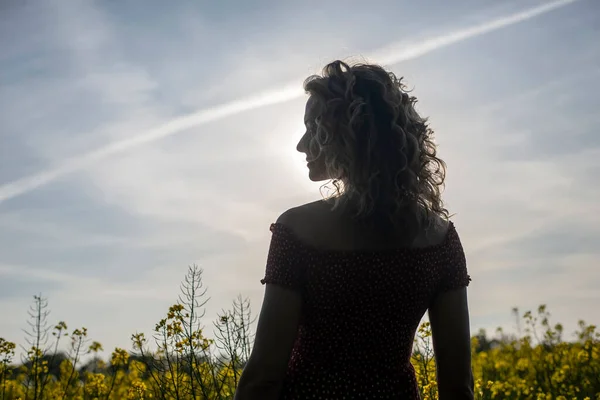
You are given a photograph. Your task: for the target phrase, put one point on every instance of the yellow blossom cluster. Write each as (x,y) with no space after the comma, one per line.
(512,369)
(536,364)
(516,368)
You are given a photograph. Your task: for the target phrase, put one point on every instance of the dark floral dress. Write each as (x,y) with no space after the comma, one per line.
(361,311)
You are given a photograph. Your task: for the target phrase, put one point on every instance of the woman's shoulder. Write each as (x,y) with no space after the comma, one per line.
(305,219)
(303,214)
(435,231)
(317,225)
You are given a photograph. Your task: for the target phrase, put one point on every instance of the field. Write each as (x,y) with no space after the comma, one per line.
(179,362)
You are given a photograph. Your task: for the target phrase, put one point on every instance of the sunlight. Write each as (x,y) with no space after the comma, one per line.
(298,160)
(284,143)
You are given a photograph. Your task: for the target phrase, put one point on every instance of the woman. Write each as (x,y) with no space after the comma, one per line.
(349,278)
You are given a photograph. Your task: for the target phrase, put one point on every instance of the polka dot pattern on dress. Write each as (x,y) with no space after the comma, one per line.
(361,312)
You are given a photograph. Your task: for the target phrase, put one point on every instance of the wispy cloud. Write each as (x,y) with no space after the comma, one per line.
(388,55)
(514,114)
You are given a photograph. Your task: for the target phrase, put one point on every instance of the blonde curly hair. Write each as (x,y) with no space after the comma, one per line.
(378,150)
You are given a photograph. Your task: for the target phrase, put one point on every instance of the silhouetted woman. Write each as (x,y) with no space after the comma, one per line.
(349,278)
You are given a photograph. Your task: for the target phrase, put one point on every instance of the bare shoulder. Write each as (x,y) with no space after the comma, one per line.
(439,226)
(315,224)
(437,230)
(434,233)
(303,215)
(308,221)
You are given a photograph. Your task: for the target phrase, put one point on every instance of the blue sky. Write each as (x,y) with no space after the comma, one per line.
(107,194)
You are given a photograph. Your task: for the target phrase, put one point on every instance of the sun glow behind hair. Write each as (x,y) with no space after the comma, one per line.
(391,54)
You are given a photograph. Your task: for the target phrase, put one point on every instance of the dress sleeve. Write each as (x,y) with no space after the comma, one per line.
(285,264)
(455,274)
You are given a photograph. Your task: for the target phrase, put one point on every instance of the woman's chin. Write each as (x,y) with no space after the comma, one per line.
(316,177)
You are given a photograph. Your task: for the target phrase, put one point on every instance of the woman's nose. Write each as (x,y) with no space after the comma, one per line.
(301,146)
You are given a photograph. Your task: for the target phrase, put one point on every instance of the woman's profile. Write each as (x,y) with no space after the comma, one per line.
(349,278)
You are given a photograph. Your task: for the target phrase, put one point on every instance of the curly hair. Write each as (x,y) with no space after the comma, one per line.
(378,150)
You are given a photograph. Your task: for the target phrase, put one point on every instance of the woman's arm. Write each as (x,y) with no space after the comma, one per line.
(449,318)
(276,332)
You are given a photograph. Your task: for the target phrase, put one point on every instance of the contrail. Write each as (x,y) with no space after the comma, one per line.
(392,54)
(397,53)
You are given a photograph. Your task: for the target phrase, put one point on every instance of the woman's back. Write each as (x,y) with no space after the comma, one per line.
(362,301)
(349,279)
(318,226)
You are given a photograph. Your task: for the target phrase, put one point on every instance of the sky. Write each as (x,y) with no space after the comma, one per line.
(137,138)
